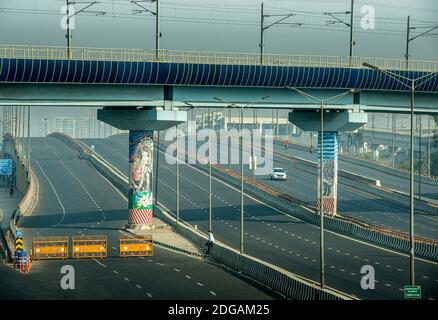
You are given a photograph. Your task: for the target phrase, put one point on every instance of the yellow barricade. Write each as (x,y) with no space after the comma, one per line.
(89,247)
(136,246)
(49,248)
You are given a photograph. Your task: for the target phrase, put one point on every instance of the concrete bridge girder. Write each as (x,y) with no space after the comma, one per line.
(169,96)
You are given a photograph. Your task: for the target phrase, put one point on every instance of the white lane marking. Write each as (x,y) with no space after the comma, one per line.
(100,263)
(138,286)
(187,276)
(214,294)
(126,279)
(56,195)
(115,272)
(199,284)
(149,295)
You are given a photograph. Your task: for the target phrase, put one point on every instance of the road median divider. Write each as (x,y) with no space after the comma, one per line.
(45,248)
(86,247)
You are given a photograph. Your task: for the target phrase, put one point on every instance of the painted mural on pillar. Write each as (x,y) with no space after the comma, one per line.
(140,177)
(330,172)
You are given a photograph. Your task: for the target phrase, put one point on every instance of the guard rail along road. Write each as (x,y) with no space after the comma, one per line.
(202,57)
(284,282)
(29,200)
(370,185)
(424,247)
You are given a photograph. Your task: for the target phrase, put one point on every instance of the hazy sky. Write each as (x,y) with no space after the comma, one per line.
(228,25)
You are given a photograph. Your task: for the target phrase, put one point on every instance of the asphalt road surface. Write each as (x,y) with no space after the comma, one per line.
(75,199)
(275,237)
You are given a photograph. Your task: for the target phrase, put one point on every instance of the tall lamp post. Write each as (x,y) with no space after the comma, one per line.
(242,209)
(410,83)
(321,103)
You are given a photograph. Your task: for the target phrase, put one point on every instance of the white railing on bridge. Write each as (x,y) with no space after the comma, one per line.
(151,55)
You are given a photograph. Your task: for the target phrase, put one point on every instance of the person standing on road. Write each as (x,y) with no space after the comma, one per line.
(210,241)
(11,192)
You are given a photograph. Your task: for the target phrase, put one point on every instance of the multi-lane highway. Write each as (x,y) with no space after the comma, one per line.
(74,199)
(275,237)
(387,180)
(302,185)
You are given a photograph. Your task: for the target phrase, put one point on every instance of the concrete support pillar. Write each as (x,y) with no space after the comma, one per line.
(330,173)
(141,124)
(140,202)
(334,122)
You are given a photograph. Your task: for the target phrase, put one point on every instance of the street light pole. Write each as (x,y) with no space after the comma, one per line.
(411,222)
(209,171)
(177,175)
(28,138)
(411,84)
(241,181)
(321,195)
(428,145)
(393,138)
(419,158)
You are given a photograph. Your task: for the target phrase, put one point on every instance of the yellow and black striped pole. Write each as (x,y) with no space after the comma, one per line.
(19,244)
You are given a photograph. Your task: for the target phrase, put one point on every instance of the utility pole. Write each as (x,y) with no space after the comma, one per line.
(262,44)
(409,39)
(321,195)
(351,30)
(393,138)
(408,30)
(157,28)
(71,15)
(350,25)
(177,176)
(155,13)
(263,28)
(419,158)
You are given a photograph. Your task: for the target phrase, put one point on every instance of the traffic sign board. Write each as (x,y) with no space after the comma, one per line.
(412,292)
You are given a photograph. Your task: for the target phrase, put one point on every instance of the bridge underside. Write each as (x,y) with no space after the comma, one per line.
(169,97)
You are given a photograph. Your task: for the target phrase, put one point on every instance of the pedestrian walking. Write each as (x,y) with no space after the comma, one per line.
(210,241)
(11,192)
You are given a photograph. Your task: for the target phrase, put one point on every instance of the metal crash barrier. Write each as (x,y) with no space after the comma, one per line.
(136,246)
(50,248)
(89,247)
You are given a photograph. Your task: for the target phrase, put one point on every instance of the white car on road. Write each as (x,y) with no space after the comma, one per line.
(278,174)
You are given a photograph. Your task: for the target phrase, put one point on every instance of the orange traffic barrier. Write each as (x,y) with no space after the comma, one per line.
(89,247)
(136,246)
(50,248)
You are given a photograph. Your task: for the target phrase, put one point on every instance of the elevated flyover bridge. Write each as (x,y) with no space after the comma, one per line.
(42,75)
(147,90)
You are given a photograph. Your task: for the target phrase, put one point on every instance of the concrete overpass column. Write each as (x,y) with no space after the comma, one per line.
(141,123)
(335,121)
(141,156)
(330,173)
